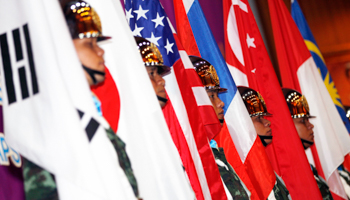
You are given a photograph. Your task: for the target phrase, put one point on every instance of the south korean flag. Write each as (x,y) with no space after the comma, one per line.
(49,115)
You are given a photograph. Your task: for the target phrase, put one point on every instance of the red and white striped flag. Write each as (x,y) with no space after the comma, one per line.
(187,38)
(298,71)
(181,112)
(194,31)
(250,66)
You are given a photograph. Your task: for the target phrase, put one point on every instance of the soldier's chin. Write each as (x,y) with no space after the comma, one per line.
(99,79)
(268,141)
(162,104)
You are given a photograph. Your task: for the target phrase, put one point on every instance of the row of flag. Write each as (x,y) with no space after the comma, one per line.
(169,149)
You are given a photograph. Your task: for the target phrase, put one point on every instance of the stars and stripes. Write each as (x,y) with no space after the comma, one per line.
(148,20)
(199,162)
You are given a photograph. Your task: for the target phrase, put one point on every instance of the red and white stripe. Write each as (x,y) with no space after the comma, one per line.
(238,122)
(183,99)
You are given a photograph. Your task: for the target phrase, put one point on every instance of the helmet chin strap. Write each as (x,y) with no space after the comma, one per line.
(307,142)
(263,138)
(92,73)
(162,99)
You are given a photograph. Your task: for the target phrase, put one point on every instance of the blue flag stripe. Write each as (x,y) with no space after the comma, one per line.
(209,50)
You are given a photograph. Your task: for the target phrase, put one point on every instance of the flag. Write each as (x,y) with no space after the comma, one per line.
(299,71)
(142,127)
(311,44)
(148,19)
(49,115)
(108,94)
(195,32)
(250,66)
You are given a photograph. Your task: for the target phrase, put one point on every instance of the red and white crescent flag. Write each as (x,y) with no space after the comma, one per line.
(250,66)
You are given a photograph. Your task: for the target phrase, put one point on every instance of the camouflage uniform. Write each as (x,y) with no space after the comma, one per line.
(40,184)
(229,176)
(322,185)
(345,174)
(345,179)
(123,158)
(280,191)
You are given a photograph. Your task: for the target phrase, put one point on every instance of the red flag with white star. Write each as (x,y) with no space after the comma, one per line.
(250,66)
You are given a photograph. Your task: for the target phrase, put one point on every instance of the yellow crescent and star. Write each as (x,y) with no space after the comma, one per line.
(327,81)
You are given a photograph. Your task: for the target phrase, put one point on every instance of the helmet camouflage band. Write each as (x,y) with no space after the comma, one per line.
(297,103)
(151,55)
(206,73)
(83,21)
(253,101)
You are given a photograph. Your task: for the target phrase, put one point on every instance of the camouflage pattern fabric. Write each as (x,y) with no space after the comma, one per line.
(38,183)
(345,179)
(124,161)
(322,185)
(280,190)
(229,176)
(345,175)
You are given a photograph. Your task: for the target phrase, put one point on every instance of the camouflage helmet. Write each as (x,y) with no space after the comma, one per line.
(207,74)
(151,55)
(297,103)
(253,101)
(83,21)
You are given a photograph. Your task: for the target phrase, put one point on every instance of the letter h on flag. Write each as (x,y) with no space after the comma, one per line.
(21,62)
(43,86)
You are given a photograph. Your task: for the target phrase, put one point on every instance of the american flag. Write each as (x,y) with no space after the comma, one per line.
(147,19)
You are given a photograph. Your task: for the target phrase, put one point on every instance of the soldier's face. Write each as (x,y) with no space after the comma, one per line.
(217,103)
(158,83)
(91,56)
(305,129)
(262,127)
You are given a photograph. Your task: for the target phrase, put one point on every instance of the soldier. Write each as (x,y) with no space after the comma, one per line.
(206,73)
(299,110)
(85,29)
(256,107)
(257,111)
(153,60)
